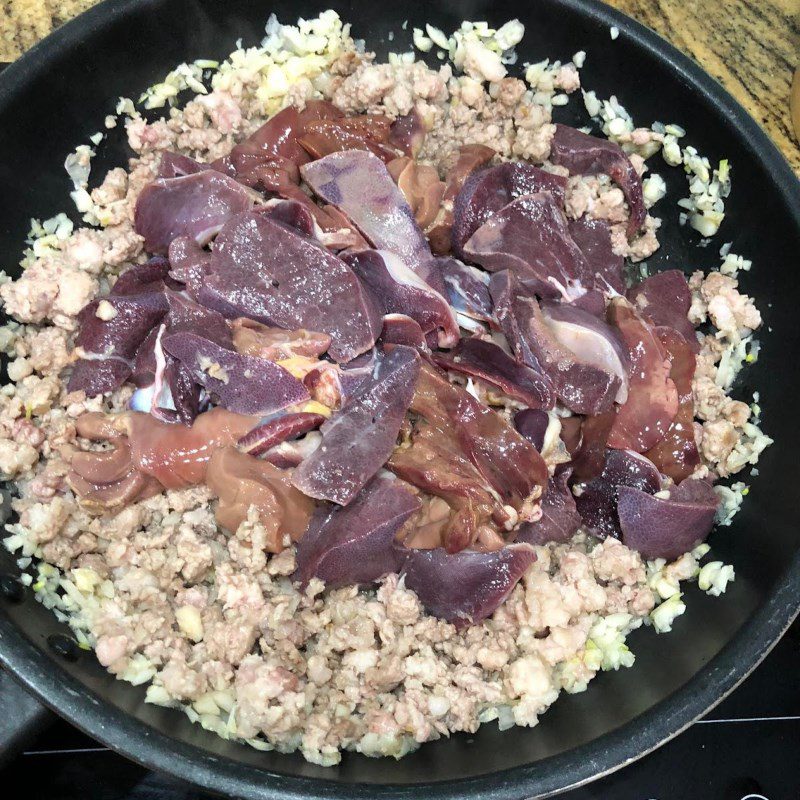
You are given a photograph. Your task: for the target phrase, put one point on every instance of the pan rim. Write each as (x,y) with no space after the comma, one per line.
(709,686)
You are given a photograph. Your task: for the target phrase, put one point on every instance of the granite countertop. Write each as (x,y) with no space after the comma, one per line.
(751,46)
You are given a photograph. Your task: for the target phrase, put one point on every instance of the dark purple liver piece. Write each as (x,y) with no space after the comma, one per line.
(532,424)
(581,386)
(530,238)
(466,587)
(466,288)
(195,205)
(487,191)
(399,290)
(665,298)
(596,500)
(359,185)
(353,544)
(667,528)
(242,384)
(263,270)
(490,363)
(98,376)
(400,329)
(357,440)
(652,403)
(593,237)
(560,517)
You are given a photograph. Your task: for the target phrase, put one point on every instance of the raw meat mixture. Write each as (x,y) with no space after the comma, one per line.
(212,620)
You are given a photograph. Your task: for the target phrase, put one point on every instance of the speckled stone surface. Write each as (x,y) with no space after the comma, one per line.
(751,46)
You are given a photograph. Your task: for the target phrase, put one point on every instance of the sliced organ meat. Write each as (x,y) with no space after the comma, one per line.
(177,455)
(489,190)
(596,500)
(471,457)
(265,271)
(466,288)
(407,133)
(582,154)
(560,518)
(354,375)
(591,340)
(420,186)
(188,264)
(369,132)
(112,329)
(491,364)
(152,276)
(116,326)
(437,464)
(95,376)
(359,185)
(588,445)
(274,147)
(532,424)
(158,376)
(593,302)
(186,316)
(148,455)
(339,233)
(470,158)
(242,482)
(400,290)
(326,225)
(334,385)
(241,384)
(642,422)
(676,455)
(510,464)
(582,386)
(182,394)
(174,165)
(270,158)
(183,315)
(425,529)
(571,434)
(108,479)
(664,299)
(195,205)
(293,452)
(400,329)
(466,587)
(293,214)
(529,237)
(167,389)
(604,266)
(667,528)
(283,428)
(354,544)
(357,440)
(251,338)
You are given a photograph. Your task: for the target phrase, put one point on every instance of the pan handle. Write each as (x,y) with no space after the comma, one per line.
(22,717)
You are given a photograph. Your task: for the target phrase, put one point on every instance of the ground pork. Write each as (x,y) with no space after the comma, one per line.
(49,290)
(715,297)
(727,437)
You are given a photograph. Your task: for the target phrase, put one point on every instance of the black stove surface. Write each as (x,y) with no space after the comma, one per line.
(748,748)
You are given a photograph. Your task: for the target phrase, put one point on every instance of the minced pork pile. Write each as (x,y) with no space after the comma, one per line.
(212,622)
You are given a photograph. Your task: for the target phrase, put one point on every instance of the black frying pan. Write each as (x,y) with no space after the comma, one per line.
(59,93)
